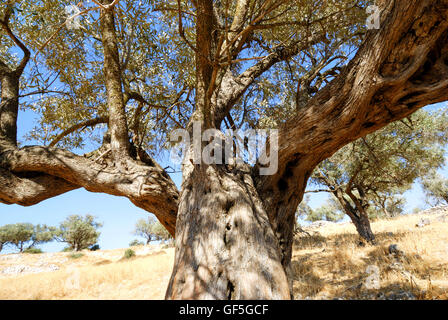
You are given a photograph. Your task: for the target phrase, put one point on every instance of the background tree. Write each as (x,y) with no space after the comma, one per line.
(436,187)
(25,235)
(160,232)
(368,176)
(151,230)
(135,243)
(329,211)
(140,69)
(79,232)
(4,237)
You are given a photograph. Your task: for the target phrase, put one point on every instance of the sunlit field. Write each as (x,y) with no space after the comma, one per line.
(94,276)
(330,264)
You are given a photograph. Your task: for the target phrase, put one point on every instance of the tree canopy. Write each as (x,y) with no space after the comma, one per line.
(151,230)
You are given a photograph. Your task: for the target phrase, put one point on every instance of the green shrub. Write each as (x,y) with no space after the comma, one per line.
(129,253)
(76,255)
(67,249)
(32,250)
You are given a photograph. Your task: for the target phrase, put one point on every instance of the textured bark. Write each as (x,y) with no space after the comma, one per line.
(147,185)
(225,246)
(8,109)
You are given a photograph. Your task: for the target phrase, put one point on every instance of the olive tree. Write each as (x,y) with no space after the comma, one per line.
(25,235)
(78,232)
(139,70)
(151,230)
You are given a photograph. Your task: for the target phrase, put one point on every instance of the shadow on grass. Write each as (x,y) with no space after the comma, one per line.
(333,269)
(317,240)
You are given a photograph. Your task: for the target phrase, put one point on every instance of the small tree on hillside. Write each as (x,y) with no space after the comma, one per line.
(4,238)
(160,232)
(151,230)
(329,211)
(368,176)
(79,232)
(25,235)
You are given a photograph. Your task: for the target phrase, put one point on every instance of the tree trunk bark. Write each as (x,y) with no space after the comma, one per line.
(225,245)
(358,216)
(8,110)
(362,225)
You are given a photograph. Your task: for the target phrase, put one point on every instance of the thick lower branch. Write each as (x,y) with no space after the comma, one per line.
(398,69)
(147,185)
(27,189)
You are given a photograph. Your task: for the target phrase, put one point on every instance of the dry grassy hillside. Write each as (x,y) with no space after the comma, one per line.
(330,264)
(327,264)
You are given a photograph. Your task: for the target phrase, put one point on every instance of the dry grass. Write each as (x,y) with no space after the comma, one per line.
(90,277)
(329,264)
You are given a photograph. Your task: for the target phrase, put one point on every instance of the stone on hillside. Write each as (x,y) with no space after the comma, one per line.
(423,223)
(401,295)
(393,249)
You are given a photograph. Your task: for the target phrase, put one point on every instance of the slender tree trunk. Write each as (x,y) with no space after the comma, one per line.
(225,245)
(358,216)
(362,225)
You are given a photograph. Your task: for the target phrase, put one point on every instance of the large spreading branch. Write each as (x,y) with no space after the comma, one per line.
(399,68)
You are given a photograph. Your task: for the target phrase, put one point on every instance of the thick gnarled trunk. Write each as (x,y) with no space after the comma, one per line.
(225,245)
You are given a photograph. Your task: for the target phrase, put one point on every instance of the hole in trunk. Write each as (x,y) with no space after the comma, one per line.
(230,290)
(282,184)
